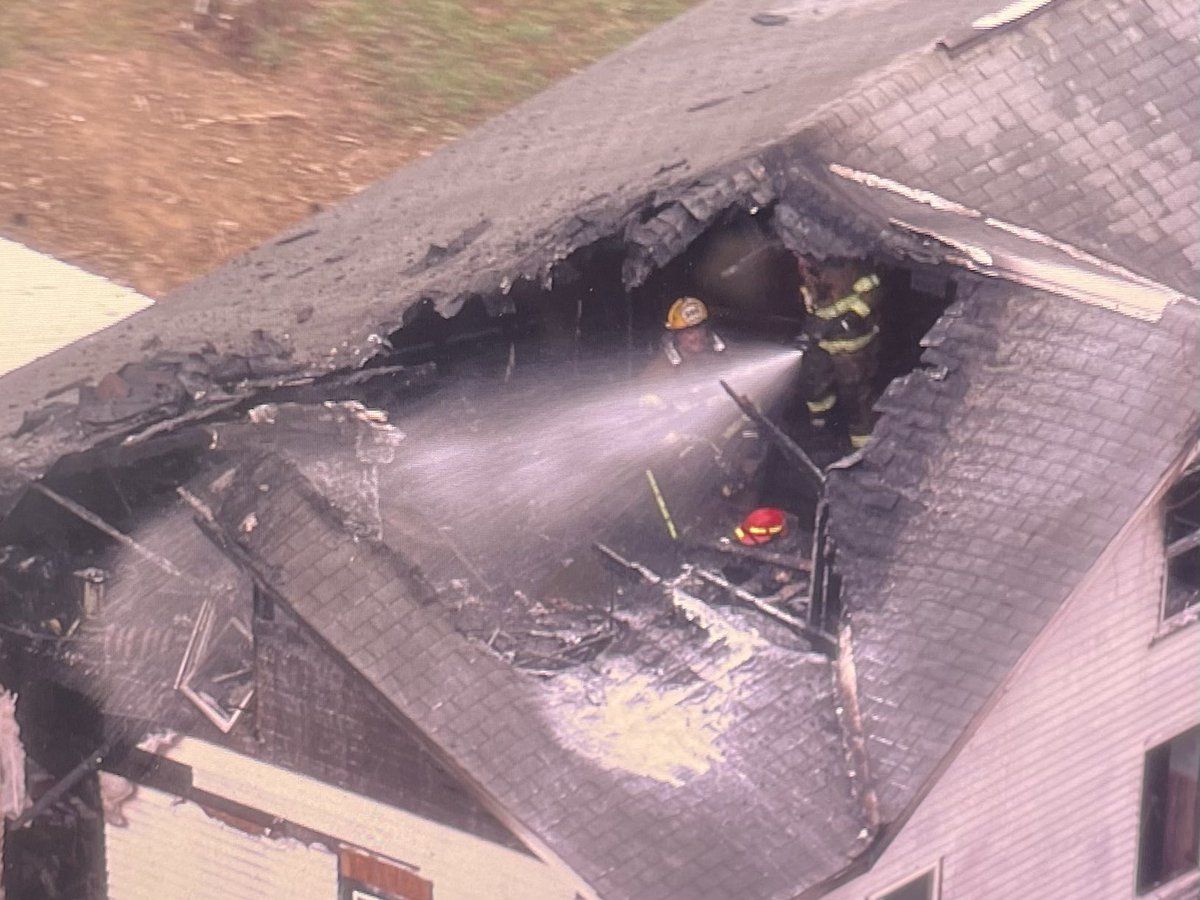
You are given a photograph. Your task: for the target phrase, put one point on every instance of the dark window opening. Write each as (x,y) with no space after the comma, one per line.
(923,887)
(1182,536)
(1169,844)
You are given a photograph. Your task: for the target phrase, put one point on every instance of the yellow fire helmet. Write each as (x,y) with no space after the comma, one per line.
(686,312)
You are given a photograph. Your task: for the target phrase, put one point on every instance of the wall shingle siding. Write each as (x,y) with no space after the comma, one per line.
(311,715)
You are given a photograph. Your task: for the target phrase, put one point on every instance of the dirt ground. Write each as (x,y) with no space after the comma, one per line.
(149,150)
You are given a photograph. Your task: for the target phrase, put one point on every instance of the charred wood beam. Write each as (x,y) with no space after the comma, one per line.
(400,378)
(57,791)
(99,524)
(648,574)
(304,389)
(1183,545)
(190,417)
(826,643)
(765,556)
(790,448)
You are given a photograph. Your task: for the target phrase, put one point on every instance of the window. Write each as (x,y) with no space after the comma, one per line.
(926,886)
(217,671)
(1182,527)
(1170,832)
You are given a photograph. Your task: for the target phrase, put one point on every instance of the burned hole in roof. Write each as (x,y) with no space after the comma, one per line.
(580,473)
(591,464)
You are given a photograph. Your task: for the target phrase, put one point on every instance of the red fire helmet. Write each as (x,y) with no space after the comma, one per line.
(761,525)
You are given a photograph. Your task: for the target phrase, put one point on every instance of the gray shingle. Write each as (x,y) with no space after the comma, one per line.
(1041,515)
(1020,95)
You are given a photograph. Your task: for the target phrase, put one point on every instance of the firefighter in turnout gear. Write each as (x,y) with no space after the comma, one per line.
(841,344)
(689,372)
(688,332)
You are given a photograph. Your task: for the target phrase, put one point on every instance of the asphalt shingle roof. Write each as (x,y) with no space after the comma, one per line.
(704,91)
(1080,123)
(760,796)
(996,476)
(994,480)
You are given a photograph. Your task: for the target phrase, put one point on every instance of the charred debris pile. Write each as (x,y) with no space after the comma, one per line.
(534,456)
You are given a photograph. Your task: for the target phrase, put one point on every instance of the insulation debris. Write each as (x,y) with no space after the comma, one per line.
(13,800)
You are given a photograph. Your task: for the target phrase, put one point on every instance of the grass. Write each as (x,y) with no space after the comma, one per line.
(447,61)
(437,63)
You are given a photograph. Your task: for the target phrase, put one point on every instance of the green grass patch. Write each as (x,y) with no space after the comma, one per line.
(449,62)
(442,64)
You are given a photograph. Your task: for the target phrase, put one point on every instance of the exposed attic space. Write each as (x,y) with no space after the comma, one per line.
(509,370)
(561,494)
(539,364)
(45,544)
(737,264)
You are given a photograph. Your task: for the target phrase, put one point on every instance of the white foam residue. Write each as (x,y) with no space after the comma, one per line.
(634,719)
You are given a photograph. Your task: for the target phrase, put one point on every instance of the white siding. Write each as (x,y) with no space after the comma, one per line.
(46,304)
(1044,800)
(175,850)
(461,866)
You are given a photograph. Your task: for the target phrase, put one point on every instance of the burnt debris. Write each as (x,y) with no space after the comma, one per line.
(733,238)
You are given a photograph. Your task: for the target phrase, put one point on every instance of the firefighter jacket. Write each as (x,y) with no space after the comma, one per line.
(842,323)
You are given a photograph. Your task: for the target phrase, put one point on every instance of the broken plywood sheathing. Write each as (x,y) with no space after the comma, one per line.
(676,217)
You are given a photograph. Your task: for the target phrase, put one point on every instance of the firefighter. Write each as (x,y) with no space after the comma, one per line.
(841,344)
(688,332)
(735,450)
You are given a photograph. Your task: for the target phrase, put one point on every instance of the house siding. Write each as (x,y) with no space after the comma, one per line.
(1044,799)
(46,304)
(173,849)
(460,865)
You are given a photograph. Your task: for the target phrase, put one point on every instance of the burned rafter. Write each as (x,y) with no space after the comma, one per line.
(63,786)
(791,450)
(100,525)
(675,591)
(679,216)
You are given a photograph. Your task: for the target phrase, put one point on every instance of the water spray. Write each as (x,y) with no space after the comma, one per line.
(546,462)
